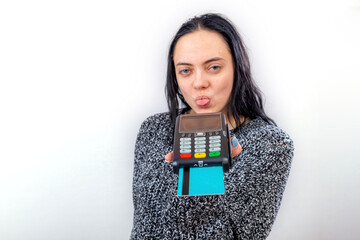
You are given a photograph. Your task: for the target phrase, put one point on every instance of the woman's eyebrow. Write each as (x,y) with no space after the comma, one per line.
(183,63)
(206,62)
(213,59)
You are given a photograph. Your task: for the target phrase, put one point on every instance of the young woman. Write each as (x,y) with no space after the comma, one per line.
(209,71)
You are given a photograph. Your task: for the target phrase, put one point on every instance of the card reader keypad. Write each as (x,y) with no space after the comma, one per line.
(200,144)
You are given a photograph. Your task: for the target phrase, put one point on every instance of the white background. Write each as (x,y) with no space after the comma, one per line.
(77,78)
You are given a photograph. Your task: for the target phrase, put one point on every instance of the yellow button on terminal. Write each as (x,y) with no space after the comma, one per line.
(200,155)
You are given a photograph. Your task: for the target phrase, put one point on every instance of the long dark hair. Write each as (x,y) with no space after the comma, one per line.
(245,99)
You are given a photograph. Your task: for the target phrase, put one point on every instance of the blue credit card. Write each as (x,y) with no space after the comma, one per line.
(201,181)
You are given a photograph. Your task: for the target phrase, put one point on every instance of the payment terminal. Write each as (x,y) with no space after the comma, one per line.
(201,146)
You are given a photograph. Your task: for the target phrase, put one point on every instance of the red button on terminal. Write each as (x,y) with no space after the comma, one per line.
(185,155)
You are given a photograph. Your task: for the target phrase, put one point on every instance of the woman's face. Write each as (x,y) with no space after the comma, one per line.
(204,71)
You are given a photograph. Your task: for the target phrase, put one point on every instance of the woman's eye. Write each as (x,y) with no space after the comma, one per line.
(214,68)
(184,71)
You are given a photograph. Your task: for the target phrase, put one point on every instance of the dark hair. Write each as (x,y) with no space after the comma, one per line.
(245,98)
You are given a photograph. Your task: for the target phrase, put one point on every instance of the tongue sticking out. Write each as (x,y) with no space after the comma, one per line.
(202,101)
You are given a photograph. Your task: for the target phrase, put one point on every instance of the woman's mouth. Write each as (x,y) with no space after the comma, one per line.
(202,101)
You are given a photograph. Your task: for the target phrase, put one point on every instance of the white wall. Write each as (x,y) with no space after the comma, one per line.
(77,78)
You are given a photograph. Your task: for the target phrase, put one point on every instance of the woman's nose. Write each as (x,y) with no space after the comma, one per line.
(200,80)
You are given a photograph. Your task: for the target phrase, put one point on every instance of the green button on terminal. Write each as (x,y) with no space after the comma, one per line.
(214,154)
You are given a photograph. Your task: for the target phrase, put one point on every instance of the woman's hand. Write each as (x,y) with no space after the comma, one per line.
(235,150)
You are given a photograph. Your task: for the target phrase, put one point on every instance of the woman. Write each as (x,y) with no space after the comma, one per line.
(209,71)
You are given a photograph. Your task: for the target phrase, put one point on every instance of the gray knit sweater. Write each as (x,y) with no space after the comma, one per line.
(253,186)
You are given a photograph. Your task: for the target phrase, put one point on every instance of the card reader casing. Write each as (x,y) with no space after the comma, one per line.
(224,159)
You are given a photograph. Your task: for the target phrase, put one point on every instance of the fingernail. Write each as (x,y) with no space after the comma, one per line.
(235,142)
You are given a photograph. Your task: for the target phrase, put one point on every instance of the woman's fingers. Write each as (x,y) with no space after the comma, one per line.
(169,157)
(235,150)
(235,147)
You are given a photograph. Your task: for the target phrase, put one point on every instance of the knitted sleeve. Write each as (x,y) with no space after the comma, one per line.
(150,149)
(257,180)
(152,177)
(140,151)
